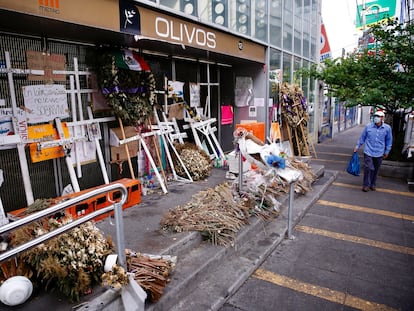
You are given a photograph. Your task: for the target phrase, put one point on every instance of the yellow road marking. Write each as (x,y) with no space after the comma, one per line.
(405,193)
(319,291)
(367,210)
(357,239)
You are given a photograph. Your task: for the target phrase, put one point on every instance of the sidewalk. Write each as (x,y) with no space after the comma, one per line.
(201,267)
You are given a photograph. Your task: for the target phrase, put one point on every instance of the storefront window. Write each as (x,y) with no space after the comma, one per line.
(240,16)
(276,23)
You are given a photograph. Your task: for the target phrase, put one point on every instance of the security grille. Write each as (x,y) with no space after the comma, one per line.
(47,178)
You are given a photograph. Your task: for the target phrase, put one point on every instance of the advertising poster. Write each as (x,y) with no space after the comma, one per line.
(194,95)
(244,91)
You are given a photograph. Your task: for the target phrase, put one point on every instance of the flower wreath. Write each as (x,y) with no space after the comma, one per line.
(130,93)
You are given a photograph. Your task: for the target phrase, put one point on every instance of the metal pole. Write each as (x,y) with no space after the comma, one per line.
(240,169)
(290,210)
(120,237)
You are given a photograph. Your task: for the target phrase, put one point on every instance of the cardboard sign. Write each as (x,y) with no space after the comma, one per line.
(118,154)
(44,103)
(47,63)
(42,133)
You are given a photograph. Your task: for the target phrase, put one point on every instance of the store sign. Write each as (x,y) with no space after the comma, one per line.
(370,12)
(184,33)
(325,47)
(150,24)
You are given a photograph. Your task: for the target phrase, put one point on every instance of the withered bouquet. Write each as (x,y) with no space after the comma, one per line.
(71,262)
(196,161)
(218,213)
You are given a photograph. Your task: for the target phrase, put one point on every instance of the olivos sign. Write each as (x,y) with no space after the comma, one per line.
(146,23)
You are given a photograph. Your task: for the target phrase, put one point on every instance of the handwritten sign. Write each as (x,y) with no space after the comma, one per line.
(44,103)
(48,63)
(7,128)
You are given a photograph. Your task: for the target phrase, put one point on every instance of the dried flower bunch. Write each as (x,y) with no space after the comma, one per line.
(219,213)
(72,261)
(196,161)
(116,278)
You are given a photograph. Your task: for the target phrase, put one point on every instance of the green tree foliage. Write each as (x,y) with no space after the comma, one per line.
(381,75)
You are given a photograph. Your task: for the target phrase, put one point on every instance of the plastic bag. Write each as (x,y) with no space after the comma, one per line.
(354,165)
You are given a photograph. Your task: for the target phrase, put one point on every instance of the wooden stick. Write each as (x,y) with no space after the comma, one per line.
(297,142)
(305,139)
(131,170)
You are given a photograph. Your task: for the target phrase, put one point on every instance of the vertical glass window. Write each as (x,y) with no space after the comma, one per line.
(288,25)
(305,81)
(298,27)
(219,8)
(260,20)
(275,73)
(296,66)
(173,4)
(307,9)
(189,7)
(276,22)
(241,16)
(287,68)
(314,46)
(214,11)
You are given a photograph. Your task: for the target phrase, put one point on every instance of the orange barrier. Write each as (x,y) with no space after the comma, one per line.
(256,128)
(97,202)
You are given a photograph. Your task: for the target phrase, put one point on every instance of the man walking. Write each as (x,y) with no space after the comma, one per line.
(377,137)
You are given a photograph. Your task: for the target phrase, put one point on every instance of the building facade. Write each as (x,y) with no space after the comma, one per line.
(232,52)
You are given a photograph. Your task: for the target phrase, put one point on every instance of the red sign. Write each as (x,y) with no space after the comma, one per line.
(325,48)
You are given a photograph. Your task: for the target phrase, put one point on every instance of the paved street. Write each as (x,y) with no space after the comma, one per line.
(351,251)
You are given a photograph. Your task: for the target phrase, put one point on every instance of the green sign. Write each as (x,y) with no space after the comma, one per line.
(374,11)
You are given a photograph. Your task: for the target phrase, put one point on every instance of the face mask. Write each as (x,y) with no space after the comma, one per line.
(377,119)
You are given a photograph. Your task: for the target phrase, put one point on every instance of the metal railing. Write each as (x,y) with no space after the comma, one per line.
(116,207)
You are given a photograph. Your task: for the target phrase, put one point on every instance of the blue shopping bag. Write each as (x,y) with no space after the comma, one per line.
(354,165)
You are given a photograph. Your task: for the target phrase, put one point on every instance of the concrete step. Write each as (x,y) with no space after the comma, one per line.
(207,275)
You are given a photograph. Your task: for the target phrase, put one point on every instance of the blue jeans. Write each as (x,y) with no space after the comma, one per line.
(371,168)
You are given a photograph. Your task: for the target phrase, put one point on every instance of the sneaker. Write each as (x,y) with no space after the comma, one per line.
(373,188)
(365,189)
